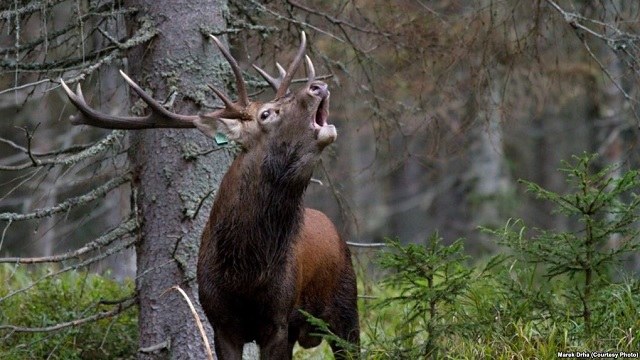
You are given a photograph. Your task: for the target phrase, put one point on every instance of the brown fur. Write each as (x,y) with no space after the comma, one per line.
(263,255)
(324,265)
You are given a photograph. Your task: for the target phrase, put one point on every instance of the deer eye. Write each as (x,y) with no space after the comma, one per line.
(265,114)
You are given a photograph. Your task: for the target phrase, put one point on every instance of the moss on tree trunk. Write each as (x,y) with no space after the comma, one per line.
(173,189)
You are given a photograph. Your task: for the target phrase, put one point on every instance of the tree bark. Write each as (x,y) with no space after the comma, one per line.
(174,186)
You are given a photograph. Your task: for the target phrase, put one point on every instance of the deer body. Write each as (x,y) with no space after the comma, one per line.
(263,256)
(259,264)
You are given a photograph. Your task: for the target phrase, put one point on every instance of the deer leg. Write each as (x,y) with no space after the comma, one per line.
(344,318)
(346,327)
(275,345)
(226,347)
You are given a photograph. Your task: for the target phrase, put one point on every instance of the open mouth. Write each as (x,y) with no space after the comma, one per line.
(322,114)
(325,133)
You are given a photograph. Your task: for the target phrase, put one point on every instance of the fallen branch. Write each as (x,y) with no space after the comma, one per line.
(205,340)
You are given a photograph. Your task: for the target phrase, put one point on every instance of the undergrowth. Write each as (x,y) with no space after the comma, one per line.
(550,291)
(26,317)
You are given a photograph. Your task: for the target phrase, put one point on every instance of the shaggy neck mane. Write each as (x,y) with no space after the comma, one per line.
(262,214)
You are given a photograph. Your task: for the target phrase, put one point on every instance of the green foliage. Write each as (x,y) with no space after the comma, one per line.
(330,336)
(55,300)
(425,278)
(556,291)
(604,209)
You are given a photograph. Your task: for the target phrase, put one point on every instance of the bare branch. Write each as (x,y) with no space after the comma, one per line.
(108,252)
(615,82)
(613,41)
(126,228)
(335,20)
(24,86)
(69,203)
(203,334)
(279,16)
(70,149)
(123,305)
(574,19)
(33,7)
(29,137)
(113,138)
(105,10)
(366,245)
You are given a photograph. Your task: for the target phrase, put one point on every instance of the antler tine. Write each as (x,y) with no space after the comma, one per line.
(159,117)
(78,101)
(284,86)
(243,98)
(227,102)
(311,71)
(89,116)
(153,104)
(281,70)
(274,82)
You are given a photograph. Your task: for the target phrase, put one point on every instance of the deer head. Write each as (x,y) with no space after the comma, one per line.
(300,116)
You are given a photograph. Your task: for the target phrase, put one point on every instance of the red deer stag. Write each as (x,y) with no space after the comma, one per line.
(263,256)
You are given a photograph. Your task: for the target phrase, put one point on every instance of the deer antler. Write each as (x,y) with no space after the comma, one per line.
(274,82)
(311,71)
(282,83)
(159,117)
(243,98)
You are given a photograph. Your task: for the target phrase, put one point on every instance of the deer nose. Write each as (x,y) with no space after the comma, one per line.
(319,89)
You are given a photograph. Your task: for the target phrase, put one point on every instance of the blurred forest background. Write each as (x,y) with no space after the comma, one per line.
(441,107)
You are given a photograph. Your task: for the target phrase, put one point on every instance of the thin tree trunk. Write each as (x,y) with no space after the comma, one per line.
(609,123)
(170,189)
(488,171)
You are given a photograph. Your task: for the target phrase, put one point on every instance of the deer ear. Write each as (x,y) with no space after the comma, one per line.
(209,125)
(232,128)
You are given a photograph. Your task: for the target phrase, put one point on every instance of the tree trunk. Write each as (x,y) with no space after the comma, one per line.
(174,190)
(488,172)
(609,122)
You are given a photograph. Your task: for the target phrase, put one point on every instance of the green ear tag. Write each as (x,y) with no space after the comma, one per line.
(221,139)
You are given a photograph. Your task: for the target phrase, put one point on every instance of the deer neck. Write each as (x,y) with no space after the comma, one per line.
(258,211)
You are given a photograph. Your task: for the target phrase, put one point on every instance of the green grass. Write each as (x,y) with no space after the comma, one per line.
(69,296)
